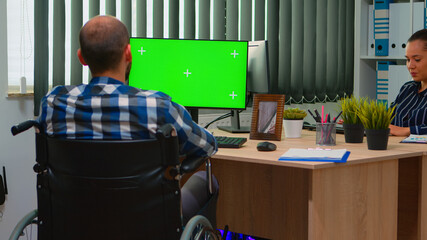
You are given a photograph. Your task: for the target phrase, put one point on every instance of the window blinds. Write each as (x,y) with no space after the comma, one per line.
(310,41)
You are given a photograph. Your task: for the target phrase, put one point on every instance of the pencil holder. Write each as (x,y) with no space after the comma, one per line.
(326,134)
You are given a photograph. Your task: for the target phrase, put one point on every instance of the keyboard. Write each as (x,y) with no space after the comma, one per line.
(230,142)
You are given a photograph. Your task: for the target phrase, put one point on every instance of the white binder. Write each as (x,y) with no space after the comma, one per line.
(371,41)
(399,28)
(398,75)
(418,16)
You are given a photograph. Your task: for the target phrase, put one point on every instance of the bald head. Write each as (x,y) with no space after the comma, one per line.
(103,40)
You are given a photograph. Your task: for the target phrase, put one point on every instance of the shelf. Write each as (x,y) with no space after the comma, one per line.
(382,58)
(364,59)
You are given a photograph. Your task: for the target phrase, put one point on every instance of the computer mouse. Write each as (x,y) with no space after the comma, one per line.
(266,146)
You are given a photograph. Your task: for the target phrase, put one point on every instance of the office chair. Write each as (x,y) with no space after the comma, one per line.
(111,189)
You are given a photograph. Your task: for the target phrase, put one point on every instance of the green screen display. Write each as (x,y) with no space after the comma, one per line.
(195,73)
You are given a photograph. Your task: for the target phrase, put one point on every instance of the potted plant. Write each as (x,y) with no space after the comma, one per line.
(353,127)
(376,118)
(293,119)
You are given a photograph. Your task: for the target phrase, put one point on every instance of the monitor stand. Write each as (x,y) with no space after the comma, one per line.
(194,112)
(235,124)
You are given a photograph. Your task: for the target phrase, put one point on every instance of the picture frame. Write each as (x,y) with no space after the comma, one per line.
(267,117)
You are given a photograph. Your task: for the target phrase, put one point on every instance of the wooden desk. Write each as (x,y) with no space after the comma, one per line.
(375,195)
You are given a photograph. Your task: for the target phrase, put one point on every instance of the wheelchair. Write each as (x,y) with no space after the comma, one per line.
(113,189)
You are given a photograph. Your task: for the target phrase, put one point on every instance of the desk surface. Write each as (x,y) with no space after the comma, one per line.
(374,195)
(359,151)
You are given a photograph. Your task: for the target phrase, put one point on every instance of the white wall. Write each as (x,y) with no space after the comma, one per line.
(16,153)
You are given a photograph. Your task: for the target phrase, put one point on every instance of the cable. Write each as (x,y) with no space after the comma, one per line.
(219,118)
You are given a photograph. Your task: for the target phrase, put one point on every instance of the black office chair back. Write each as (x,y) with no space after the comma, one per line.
(97,189)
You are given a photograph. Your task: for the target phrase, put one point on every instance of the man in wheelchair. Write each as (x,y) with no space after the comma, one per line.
(107,108)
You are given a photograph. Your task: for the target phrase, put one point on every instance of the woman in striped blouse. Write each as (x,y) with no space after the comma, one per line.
(411,102)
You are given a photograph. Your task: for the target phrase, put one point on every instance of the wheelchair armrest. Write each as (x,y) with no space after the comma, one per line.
(166,130)
(191,164)
(21,127)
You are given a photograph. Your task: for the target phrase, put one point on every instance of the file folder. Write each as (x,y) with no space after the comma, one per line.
(418,19)
(316,155)
(399,28)
(425,14)
(381,26)
(382,80)
(398,75)
(371,42)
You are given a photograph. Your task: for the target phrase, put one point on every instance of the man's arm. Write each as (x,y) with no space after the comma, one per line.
(194,140)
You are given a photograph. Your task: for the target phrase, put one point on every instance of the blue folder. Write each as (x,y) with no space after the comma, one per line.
(313,159)
(382,77)
(381,26)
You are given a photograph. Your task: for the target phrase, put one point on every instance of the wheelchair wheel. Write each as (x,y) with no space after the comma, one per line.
(26,228)
(198,228)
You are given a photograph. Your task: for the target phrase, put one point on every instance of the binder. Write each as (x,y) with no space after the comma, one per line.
(425,14)
(381,26)
(418,19)
(382,80)
(398,75)
(399,28)
(371,42)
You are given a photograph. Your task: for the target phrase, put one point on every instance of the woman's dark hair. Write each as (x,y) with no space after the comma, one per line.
(102,43)
(419,35)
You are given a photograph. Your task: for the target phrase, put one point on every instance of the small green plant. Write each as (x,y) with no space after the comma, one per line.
(294,114)
(349,107)
(375,115)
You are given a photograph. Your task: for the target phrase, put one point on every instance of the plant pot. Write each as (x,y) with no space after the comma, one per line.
(293,127)
(353,133)
(377,138)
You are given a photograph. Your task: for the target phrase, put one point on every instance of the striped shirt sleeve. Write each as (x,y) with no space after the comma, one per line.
(411,108)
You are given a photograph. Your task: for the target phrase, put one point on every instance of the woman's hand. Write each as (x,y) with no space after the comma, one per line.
(399,131)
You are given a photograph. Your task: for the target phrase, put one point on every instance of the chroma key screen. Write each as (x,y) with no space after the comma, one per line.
(195,73)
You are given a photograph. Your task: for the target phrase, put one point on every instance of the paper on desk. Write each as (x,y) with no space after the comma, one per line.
(316,154)
(415,139)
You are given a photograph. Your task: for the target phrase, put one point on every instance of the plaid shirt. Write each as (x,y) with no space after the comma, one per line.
(411,108)
(108,109)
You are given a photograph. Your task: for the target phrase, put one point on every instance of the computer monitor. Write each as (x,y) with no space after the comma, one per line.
(258,80)
(258,67)
(195,73)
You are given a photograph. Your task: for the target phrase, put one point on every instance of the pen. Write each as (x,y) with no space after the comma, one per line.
(323,114)
(315,119)
(339,114)
(317,114)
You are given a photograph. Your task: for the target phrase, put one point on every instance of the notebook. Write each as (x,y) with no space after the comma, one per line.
(415,139)
(315,154)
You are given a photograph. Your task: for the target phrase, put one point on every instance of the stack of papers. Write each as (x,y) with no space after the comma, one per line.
(315,154)
(415,139)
